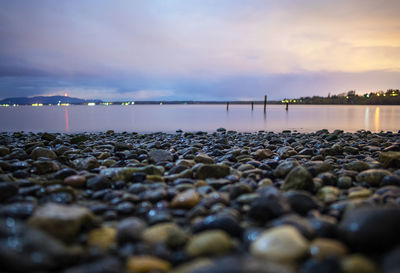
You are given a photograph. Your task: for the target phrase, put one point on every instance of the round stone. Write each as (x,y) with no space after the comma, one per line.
(322,248)
(103,237)
(282,244)
(76,181)
(144,264)
(186,199)
(213,242)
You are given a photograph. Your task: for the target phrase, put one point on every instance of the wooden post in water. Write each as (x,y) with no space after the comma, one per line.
(287,106)
(252,105)
(227,106)
(265,103)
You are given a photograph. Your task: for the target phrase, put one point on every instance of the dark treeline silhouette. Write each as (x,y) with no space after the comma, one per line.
(390,97)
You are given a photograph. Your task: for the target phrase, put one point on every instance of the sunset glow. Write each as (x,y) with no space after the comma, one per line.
(198,49)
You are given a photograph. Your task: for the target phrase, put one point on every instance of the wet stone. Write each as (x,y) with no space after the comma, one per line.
(282,244)
(159,156)
(76,181)
(213,242)
(212,171)
(372,176)
(298,179)
(130,230)
(61,221)
(39,152)
(7,190)
(360,230)
(45,166)
(216,222)
(98,182)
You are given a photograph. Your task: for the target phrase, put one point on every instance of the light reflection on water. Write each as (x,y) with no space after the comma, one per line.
(168,118)
(377,118)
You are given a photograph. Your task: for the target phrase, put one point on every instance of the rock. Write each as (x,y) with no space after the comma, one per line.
(176,238)
(158,233)
(87,163)
(45,166)
(372,176)
(61,221)
(359,192)
(213,242)
(323,248)
(79,138)
(303,225)
(130,230)
(302,202)
(203,158)
(48,137)
(159,156)
(285,167)
(103,237)
(76,181)
(193,266)
(4,150)
(64,173)
(390,159)
(212,171)
(328,179)
(98,182)
(390,180)
(262,154)
(144,264)
(219,222)
(281,244)
(344,182)
(298,179)
(286,151)
(357,165)
(328,194)
(27,249)
(371,229)
(358,263)
(7,190)
(121,146)
(104,265)
(186,199)
(243,264)
(391,261)
(42,152)
(17,210)
(126,173)
(268,206)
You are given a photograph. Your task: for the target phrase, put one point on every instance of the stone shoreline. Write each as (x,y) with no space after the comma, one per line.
(200,202)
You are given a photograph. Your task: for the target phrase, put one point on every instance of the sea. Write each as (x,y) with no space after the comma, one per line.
(191,118)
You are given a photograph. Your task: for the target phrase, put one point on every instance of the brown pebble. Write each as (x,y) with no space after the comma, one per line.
(76,181)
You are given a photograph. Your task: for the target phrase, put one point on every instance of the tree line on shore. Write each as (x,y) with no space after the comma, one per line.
(390,97)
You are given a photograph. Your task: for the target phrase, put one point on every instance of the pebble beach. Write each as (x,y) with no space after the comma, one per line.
(198,202)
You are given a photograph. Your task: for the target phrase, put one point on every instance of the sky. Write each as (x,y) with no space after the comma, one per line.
(198,49)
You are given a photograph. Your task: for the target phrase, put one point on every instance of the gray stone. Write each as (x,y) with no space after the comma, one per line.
(159,156)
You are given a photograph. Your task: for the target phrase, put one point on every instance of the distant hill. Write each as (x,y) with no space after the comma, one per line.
(46,100)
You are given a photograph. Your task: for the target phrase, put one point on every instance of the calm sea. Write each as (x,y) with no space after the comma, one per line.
(169,118)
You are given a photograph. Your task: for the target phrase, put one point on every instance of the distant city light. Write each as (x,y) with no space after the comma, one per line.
(91,104)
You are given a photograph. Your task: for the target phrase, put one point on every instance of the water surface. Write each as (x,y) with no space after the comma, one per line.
(168,118)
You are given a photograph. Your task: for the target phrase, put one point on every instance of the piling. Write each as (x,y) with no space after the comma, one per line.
(287,106)
(265,103)
(252,105)
(227,106)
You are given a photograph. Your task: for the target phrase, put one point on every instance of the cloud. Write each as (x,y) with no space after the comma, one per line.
(197,48)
